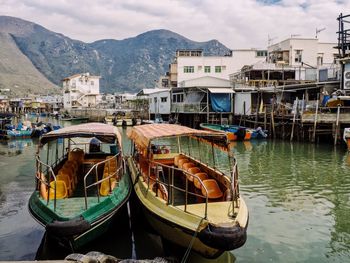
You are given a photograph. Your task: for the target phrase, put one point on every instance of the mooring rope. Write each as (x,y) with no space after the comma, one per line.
(189,248)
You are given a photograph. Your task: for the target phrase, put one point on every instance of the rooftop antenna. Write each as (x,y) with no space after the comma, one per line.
(269,40)
(319,30)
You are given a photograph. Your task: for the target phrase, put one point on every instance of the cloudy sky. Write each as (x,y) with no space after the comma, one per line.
(235,23)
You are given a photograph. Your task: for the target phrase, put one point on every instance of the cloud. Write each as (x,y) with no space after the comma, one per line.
(237,24)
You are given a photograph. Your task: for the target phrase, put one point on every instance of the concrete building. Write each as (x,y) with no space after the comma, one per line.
(4,103)
(193,64)
(80,91)
(303,52)
(306,57)
(159,103)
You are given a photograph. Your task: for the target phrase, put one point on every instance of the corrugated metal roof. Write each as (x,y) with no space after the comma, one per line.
(221,90)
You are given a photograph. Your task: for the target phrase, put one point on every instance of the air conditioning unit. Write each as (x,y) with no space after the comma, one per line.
(347,76)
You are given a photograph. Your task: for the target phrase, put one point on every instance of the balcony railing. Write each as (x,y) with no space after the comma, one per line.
(189,107)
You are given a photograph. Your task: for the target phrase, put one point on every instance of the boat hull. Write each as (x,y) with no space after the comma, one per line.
(204,242)
(179,235)
(234,133)
(77,231)
(7,134)
(181,228)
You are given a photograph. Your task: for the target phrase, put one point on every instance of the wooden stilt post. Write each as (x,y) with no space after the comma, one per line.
(315,122)
(273,124)
(337,126)
(295,113)
(257,110)
(207,106)
(265,118)
(283,126)
(244,113)
(301,123)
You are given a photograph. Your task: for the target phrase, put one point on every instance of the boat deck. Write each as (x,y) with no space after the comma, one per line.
(72,207)
(215,211)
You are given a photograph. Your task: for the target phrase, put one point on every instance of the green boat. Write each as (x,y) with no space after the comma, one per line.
(82,183)
(76,119)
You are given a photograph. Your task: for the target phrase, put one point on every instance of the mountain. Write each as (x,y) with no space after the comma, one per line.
(17,72)
(124,65)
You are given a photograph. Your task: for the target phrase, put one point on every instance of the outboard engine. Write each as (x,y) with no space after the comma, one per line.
(240,133)
(261,133)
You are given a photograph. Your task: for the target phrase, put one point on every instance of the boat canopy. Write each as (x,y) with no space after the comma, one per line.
(143,134)
(104,132)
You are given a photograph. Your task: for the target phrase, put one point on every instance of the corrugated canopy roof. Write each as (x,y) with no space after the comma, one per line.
(143,134)
(221,90)
(151,91)
(103,132)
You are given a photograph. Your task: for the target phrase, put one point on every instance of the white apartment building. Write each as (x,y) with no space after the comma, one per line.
(81,90)
(291,61)
(192,64)
(309,51)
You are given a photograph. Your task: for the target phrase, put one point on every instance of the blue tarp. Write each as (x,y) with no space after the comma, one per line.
(220,102)
(325,99)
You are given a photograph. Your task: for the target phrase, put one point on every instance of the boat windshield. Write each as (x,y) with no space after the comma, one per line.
(205,150)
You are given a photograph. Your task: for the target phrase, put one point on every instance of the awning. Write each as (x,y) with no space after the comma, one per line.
(103,132)
(221,90)
(143,134)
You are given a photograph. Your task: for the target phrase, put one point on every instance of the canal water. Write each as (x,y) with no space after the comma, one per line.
(298,197)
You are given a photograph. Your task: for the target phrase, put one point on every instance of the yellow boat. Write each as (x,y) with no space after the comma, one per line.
(187,183)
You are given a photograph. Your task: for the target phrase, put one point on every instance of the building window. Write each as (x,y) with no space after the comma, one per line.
(320,60)
(217,69)
(298,56)
(178,98)
(207,69)
(188,69)
(261,53)
(163,99)
(165,83)
(155,100)
(199,68)
(92,83)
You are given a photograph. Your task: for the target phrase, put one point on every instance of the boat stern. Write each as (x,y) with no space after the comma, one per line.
(227,237)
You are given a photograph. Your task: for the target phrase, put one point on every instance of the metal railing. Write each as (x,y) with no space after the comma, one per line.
(48,172)
(99,182)
(234,187)
(171,187)
(189,107)
(46,179)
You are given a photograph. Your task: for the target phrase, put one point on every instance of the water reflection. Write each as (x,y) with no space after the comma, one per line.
(298,196)
(15,147)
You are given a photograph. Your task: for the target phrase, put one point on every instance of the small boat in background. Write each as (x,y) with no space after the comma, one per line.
(21,130)
(81,187)
(235,132)
(123,122)
(74,119)
(41,128)
(346,137)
